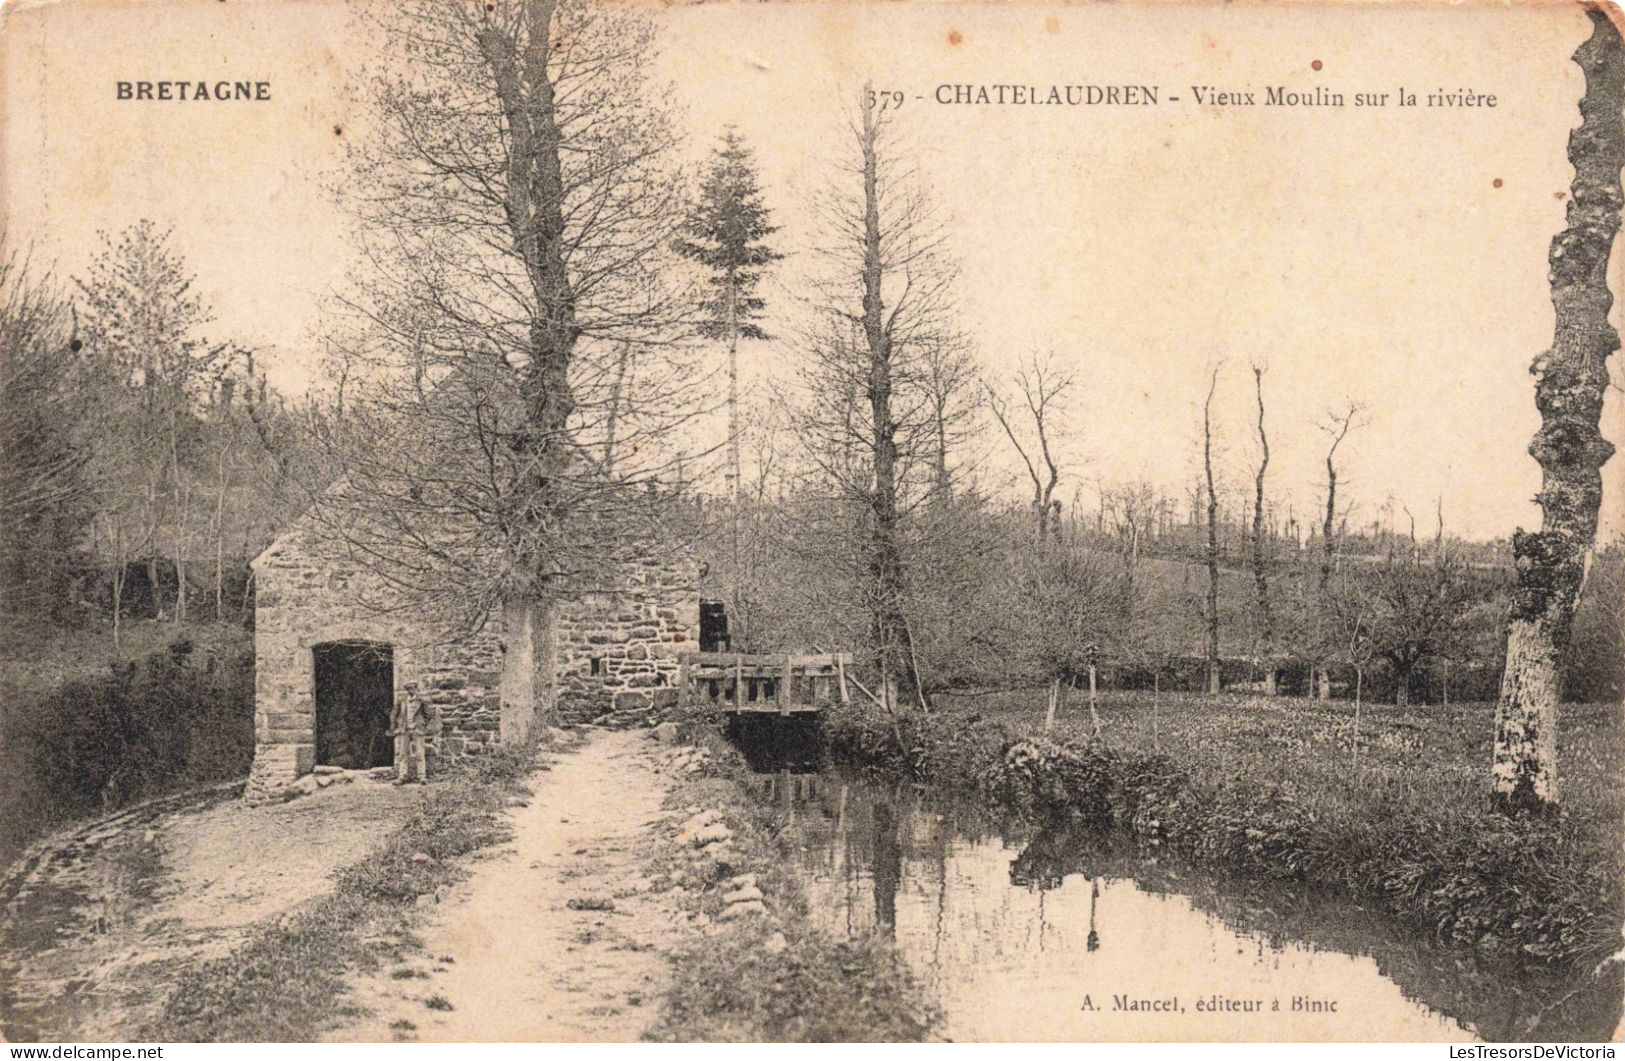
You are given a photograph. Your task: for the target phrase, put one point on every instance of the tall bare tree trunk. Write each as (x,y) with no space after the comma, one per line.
(184,496)
(220,537)
(942,483)
(612,420)
(890,629)
(1339,428)
(1211,616)
(1261,586)
(181,589)
(1570,382)
(734,473)
(733,398)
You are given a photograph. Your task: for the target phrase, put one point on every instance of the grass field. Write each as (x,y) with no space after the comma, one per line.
(1431,756)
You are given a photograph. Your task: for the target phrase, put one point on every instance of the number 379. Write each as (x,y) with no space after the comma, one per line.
(883,100)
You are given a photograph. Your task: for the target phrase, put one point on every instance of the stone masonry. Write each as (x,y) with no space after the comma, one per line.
(618,647)
(613,649)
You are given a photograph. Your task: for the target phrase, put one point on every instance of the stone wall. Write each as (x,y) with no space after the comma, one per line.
(617,646)
(308,593)
(612,650)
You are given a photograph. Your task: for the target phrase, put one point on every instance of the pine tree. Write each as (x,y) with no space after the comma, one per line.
(142,320)
(726,232)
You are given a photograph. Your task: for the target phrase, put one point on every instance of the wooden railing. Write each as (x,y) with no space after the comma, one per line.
(774,683)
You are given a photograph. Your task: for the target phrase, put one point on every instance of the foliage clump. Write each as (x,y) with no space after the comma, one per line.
(174,719)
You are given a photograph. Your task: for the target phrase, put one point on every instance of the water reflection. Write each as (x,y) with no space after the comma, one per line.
(1051,935)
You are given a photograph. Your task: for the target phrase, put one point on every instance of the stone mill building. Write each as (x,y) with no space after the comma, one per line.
(329,661)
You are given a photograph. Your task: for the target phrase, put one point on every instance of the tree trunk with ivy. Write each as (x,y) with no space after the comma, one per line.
(1570,382)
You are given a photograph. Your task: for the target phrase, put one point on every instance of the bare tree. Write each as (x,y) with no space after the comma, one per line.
(142,324)
(1068,601)
(1141,636)
(1406,608)
(512,349)
(45,486)
(617,392)
(1130,512)
(1337,425)
(1571,380)
(1265,631)
(873,428)
(1210,614)
(948,378)
(1043,390)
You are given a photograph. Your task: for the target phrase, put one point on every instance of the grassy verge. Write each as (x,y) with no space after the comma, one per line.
(773,977)
(1268,789)
(287,983)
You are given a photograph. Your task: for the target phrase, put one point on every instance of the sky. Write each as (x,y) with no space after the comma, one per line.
(1394,256)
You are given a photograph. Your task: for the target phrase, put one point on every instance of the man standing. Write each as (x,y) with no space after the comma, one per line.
(410,729)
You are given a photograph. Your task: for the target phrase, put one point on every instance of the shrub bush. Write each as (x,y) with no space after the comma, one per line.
(143,728)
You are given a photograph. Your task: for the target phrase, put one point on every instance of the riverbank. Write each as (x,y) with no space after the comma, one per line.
(1267,789)
(757,969)
(609,886)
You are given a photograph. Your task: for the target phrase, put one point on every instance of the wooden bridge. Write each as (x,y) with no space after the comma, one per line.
(761,683)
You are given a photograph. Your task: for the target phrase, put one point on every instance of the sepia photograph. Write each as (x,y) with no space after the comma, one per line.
(948,521)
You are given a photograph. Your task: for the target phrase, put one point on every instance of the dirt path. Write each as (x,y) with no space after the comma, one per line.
(98,923)
(556,937)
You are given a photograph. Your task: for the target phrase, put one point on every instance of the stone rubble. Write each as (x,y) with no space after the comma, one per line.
(322,777)
(707,843)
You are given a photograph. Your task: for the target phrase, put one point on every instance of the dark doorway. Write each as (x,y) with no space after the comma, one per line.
(355,688)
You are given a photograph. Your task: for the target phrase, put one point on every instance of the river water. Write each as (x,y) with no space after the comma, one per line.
(1022,934)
